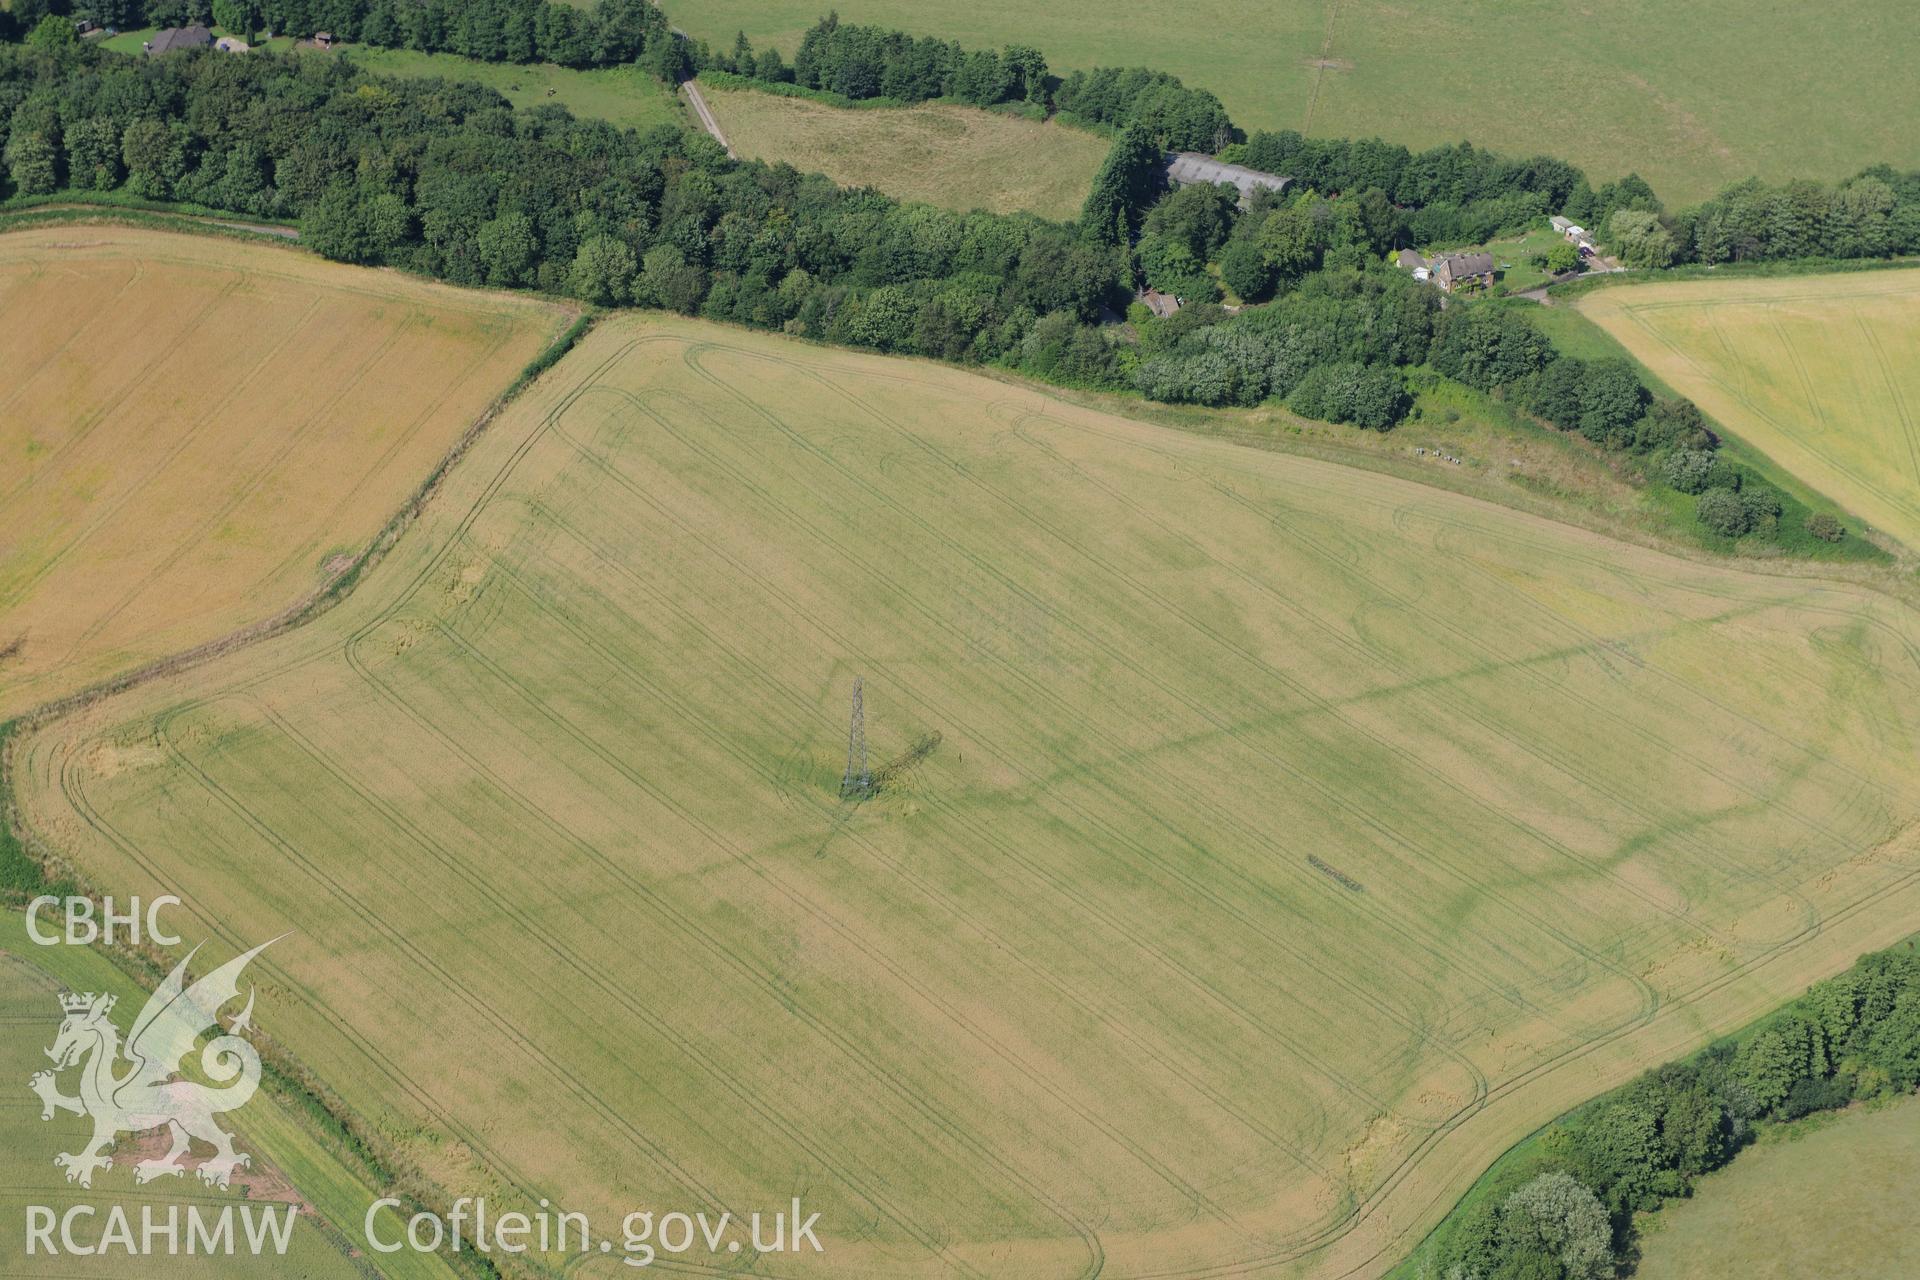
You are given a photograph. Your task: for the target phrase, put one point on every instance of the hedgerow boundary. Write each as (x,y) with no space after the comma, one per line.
(30,867)
(1536,1154)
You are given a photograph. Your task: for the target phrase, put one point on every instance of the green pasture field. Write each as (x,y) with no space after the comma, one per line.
(941,153)
(1821,373)
(1828,1199)
(1259,846)
(624,96)
(292,1164)
(1693,98)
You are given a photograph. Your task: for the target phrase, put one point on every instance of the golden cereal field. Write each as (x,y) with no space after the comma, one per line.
(1286,851)
(193,429)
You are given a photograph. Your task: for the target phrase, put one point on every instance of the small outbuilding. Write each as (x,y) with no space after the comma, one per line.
(323,39)
(1161,304)
(174,39)
(1455,271)
(1409,260)
(232,44)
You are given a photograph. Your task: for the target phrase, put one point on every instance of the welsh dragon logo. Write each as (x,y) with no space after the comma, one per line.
(133,1089)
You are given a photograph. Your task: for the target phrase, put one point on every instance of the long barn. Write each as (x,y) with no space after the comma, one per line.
(1187,167)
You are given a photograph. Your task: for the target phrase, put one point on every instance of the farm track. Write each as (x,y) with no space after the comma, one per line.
(1167,807)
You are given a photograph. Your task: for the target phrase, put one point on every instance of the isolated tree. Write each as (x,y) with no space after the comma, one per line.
(1561,258)
(1825,527)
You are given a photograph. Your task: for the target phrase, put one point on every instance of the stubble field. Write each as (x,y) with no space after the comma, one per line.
(1694,98)
(1822,373)
(193,429)
(1294,840)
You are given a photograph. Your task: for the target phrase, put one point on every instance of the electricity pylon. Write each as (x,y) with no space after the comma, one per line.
(858,779)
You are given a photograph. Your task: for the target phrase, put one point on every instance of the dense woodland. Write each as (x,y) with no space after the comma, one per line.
(447,180)
(611,33)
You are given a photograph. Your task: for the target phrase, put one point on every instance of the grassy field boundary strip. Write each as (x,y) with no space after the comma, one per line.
(1576,333)
(72,199)
(714,78)
(25,218)
(1647,524)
